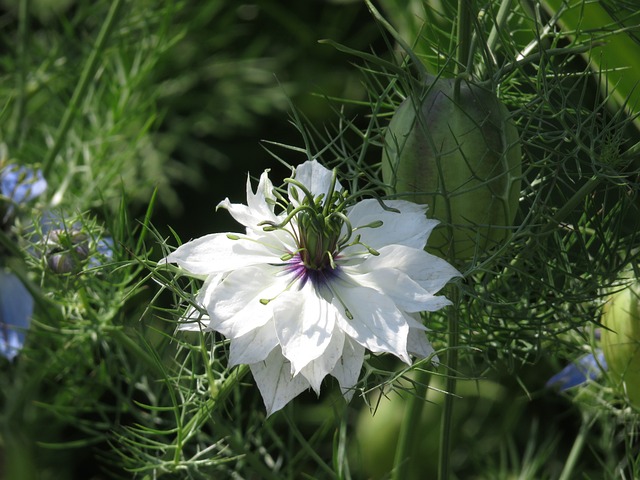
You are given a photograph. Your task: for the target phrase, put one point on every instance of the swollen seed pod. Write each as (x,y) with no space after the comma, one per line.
(462,158)
(621,340)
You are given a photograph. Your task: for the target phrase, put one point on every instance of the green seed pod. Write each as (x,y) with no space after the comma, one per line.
(461,158)
(621,340)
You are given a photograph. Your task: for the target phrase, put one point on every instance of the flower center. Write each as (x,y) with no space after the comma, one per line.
(321,230)
(318,241)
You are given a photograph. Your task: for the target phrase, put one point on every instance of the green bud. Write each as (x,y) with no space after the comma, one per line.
(461,158)
(621,341)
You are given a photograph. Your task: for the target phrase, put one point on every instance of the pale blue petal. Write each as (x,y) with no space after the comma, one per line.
(587,367)
(104,252)
(16,308)
(21,184)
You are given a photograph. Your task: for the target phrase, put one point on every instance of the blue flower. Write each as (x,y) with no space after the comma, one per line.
(588,367)
(104,251)
(20,184)
(16,308)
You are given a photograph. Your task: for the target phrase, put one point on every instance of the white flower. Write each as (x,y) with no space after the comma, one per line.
(315,282)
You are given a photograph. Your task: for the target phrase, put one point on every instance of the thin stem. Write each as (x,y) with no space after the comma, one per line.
(192,427)
(576,450)
(463,62)
(417,63)
(408,439)
(444,462)
(464,31)
(81,87)
(571,204)
(501,20)
(23,13)
(568,207)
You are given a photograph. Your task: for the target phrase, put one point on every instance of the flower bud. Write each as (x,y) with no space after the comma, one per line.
(621,340)
(462,158)
(66,250)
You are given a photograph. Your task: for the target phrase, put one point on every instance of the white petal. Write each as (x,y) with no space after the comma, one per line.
(254,346)
(317,369)
(418,344)
(259,206)
(315,177)
(263,201)
(238,303)
(217,253)
(407,294)
(414,320)
(410,227)
(274,380)
(194,319)
(304,324)
(347,370)
(376,322)
(430,272)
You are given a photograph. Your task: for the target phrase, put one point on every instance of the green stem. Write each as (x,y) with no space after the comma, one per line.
(464,31)
(192,427)
(501,20)
(568,207)
(81,87)
(444,460)
(576,450)
(133,347)
(21,47)
(417,63)
(407,441)
(463,63)
(571,204)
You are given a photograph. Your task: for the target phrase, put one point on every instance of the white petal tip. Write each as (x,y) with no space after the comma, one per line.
(223,204)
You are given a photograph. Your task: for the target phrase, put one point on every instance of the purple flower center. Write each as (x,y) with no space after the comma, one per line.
(303,273)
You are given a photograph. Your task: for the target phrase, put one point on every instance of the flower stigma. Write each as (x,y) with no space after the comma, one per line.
(316,226)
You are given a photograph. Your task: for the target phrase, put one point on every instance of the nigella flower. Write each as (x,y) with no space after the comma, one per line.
(19,184)
(589,366)
(309,287)
(66,245)
(16,308)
